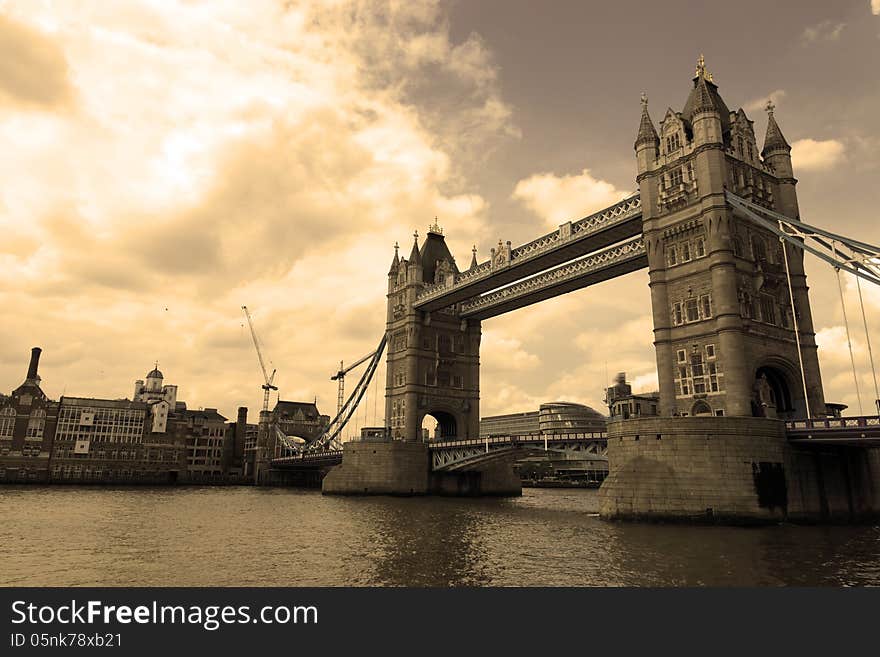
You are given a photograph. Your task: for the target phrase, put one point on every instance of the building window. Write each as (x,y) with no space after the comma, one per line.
(675,177)
(686,252)
(683,381)
(758,249)
(676,314)
(673,143)
(719,412)
(692,312)
(768,309)
(710,351)
(36,423)
(681,355)
(706,306)
(671,258)
(713,377)
(700,247)
(7,422)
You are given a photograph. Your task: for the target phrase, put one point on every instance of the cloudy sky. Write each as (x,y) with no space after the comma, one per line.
(165,162)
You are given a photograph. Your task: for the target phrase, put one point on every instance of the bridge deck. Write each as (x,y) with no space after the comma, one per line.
(863,430)
(619,222)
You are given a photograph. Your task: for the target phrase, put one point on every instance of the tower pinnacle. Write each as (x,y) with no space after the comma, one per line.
(647,133)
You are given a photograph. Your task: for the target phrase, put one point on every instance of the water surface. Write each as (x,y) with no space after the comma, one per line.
(243,536)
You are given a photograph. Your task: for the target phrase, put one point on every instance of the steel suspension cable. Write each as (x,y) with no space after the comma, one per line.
(794,316)
(870,351)
(846,325)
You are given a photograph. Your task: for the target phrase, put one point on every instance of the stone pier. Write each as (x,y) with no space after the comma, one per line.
(735,470)
(395,467)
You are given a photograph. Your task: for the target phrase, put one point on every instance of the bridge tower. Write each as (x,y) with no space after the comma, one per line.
(433,358)
(723,320)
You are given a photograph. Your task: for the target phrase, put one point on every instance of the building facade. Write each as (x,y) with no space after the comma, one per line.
(433,363)
(204,434)
(110,440)
(551,418)
(27,426)
(622,403)
(723,319)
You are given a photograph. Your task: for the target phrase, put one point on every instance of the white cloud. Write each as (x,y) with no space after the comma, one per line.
(813,155)
(824,31)
(223,154)
(558,199)
(759,104)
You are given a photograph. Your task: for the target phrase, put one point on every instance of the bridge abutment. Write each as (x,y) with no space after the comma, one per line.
(732,469)
(397,467)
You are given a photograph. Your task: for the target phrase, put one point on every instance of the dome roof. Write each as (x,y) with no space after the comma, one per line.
(155,374)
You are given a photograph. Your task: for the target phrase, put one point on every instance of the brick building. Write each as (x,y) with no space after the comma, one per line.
(27,426)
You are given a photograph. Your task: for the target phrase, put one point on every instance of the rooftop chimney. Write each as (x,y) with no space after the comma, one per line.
(35,362)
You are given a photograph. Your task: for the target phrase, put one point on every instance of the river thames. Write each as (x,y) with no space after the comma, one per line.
(243,536)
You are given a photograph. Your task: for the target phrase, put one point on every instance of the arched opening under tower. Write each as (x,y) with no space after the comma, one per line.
(439,425)
(772,397)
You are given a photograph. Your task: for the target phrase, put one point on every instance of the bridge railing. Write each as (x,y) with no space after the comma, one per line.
(619,212)
(528,438)
(310,456)
(833,423)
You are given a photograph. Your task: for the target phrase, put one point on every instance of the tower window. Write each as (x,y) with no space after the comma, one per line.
(700,247)
(676,314)
(675,177)
(710,351)
(758,249)
(673,143)
(681,355)
(768,309)
(686,252)
(671,258)
(691,310)
(706,305)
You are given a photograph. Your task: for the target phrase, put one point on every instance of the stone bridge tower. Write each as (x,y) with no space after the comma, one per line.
(433,358)
(723,320)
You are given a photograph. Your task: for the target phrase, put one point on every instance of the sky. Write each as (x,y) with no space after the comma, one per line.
(167,161)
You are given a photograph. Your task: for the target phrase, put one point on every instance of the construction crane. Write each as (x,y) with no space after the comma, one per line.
(340,376)
(267,379)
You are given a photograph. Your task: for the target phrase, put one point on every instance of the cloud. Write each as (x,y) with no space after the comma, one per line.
(558,199)
(267,155)
(813,155)
(33,68)
(759,104)
(825,31)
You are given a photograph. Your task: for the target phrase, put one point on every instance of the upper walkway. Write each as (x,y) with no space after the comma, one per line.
(570,241)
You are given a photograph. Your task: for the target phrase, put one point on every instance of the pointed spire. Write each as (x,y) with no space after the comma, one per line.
(647,133)
(396,261)
(414,257)
(701,71)
(473,258)
(774,140)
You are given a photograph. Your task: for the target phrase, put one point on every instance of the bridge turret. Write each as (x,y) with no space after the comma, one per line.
(415,273)
(647,142)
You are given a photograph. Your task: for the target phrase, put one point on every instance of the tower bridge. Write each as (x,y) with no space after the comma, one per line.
(742,431)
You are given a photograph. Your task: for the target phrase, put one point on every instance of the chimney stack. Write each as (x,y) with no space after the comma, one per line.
(35,362)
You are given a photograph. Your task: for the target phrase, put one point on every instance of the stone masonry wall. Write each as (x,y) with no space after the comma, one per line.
(732,469)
